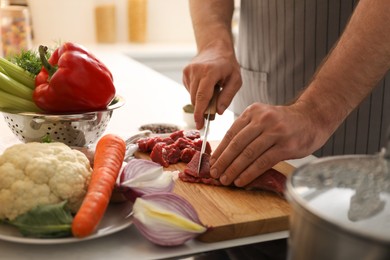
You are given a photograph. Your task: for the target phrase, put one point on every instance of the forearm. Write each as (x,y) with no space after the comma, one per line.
(354,67)
(212,21)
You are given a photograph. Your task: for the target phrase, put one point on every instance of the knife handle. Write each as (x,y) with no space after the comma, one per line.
(212,107)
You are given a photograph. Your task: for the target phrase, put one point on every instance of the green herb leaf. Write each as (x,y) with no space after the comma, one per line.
(47,221)
(46,139)
(29,60)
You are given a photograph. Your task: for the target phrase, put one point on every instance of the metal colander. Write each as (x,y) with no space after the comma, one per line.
(72,129)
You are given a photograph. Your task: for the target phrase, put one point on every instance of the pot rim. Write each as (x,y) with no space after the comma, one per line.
(299,203)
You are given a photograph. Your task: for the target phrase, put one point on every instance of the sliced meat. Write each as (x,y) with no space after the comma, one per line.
(192,167)
(271,180)
(189,178)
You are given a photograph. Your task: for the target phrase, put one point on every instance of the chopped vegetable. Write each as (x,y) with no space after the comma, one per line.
(108,159)
(45,221)
(72,80)
(166,219)
(140,177)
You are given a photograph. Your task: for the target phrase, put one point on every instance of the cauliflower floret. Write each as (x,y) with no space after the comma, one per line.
(35,174)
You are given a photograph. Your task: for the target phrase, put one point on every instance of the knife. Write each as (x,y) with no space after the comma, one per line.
(209,115)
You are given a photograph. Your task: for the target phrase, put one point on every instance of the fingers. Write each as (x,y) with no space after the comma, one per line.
(202,99)
(244,158)
(261,137)
(194,85)
(200,85)
(229,89)
(205,71)
(240,135)
(191,81)
(264,162)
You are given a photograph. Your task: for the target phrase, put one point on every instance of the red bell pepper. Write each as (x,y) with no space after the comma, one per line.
(72,80)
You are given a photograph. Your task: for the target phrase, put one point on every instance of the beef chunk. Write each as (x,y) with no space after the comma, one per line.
(160,155)
(179,146)
(271,180)
(187,154)
(147,144)
(183,143)
(173,153)
(197,144)
(192,134)
(177,134)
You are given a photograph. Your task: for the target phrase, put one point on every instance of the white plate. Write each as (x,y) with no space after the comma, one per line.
(117,217)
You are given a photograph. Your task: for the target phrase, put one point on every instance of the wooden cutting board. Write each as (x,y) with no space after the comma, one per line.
(232,212)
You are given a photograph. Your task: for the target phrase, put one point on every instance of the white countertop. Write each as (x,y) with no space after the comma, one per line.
(150,98)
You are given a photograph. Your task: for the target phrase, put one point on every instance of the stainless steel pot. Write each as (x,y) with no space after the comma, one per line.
(340,208)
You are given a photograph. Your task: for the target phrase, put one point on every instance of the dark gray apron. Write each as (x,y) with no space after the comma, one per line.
(281,43)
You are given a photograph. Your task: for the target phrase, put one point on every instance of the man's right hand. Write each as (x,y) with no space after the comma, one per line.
(214,65)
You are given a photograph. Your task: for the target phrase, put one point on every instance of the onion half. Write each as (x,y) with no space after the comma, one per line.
(140,177)
(166,219)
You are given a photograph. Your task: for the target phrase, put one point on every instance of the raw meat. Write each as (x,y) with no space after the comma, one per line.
(271,180)
(187,154)
(191,134)
(178,146)
(147,144)
(192,167)
(165,154)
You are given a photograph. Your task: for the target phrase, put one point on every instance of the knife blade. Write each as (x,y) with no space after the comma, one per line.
(209,115)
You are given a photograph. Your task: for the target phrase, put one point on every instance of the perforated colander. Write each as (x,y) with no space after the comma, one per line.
(72,129)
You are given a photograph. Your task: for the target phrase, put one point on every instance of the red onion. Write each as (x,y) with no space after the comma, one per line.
(166,219)
(140,177)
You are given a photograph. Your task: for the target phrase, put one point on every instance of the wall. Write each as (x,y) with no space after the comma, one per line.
(168,21)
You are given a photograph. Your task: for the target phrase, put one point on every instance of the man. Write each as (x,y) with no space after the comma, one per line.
(281,50)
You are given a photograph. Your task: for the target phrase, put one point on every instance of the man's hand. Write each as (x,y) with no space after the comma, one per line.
(216,65)
(263,136)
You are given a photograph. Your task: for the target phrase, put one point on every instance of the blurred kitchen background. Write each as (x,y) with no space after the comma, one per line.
(157,33)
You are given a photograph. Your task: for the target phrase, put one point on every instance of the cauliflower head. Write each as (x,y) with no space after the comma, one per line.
(33,174)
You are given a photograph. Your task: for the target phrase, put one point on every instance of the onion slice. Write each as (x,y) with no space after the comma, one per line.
(140,177)
(166,219)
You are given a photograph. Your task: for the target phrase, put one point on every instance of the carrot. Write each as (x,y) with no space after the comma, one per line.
(108,159)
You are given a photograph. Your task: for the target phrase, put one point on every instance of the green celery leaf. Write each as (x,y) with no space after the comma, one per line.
(47,221)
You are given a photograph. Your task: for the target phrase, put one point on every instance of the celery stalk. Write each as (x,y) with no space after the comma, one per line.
(17,73)
(14,87)
(14,103)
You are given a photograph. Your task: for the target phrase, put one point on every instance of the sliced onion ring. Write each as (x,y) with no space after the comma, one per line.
(166,219)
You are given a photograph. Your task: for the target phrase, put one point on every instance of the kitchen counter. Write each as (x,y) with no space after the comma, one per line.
(150,98)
